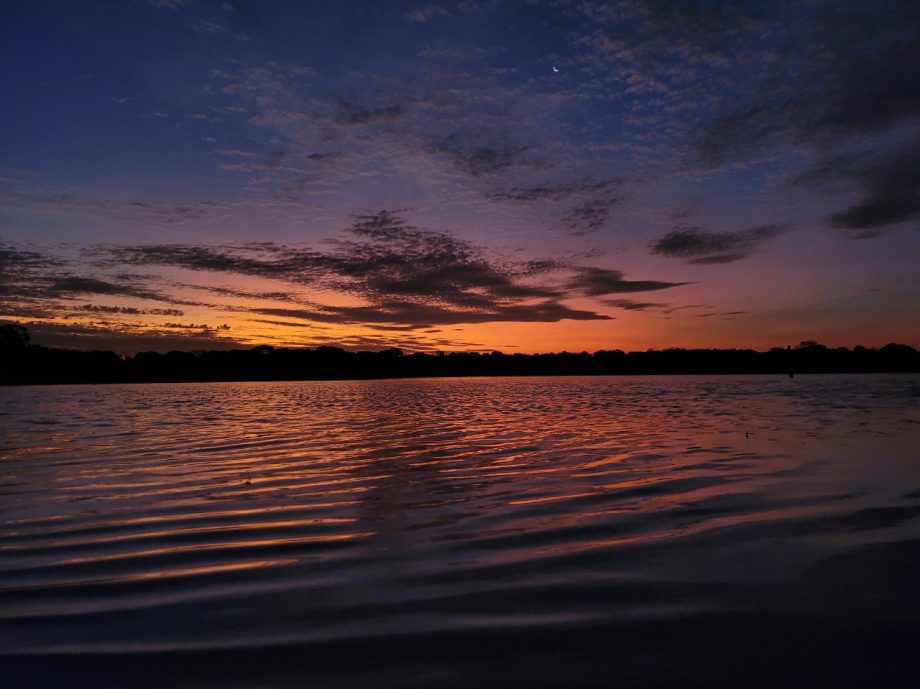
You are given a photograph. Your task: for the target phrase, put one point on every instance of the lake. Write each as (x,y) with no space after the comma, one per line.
(496,532)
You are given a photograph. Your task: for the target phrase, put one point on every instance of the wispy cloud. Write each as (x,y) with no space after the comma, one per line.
(724,86)
(888,184)
(128,338)
(355,113)
(215,29)
(700,246)
(405,277)
(44,278)
(168,4)
(553,192)
(477,159)
(56,200)
(128,310)
(630,305)
(415,316)
(590,216)
(596,282)
(426,13)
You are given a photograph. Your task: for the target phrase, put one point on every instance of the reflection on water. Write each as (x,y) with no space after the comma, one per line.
(669,531)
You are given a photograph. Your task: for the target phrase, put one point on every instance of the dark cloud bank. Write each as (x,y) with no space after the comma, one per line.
(887,183)
(408,278)
(730,84)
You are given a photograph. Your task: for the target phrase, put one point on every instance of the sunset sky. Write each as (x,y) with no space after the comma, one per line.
(474,175)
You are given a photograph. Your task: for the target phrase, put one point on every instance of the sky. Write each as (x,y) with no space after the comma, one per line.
(466,175)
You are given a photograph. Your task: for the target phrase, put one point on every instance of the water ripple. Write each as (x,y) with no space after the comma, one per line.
(314,521)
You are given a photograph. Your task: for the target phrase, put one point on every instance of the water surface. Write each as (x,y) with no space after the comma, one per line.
(534,532)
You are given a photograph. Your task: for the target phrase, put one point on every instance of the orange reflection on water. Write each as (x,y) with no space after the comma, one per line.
(229,545)
(189,529)
(431,505)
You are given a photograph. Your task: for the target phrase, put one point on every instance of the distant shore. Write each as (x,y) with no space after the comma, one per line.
(27,364)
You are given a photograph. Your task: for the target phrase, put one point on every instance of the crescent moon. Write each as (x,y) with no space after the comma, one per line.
(555,68)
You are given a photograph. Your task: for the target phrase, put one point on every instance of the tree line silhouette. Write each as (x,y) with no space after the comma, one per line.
(26,363)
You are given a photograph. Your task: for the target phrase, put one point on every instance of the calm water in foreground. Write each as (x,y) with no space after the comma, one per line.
(533,532)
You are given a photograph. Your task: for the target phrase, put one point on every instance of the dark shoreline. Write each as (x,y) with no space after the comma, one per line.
(25,364)
(471,376)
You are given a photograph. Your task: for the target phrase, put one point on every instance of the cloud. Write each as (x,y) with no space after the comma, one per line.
(704,247)
(135,211)
(476,160)
(829,71)
(125,338)
(267,94)
(481,123)
(393,336)
(405,277)
(386,258)
(877,92)
(72,285)
(354,113)
(854,83)
(322,157)
(168,4)
(889,187)
(459,54)
(127,310)
(215,29)
(415,315)
(721,86)
(595,282)
(253,161)
(590,216)
(717,259)
(202,327)
(422,15)
(552,192)
(631,305)
(20,263)
(262,260)
(393,257)
(250,295)
(42,279)
(84,285)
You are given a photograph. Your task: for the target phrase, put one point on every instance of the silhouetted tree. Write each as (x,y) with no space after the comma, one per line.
(27,363)
(13,337)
